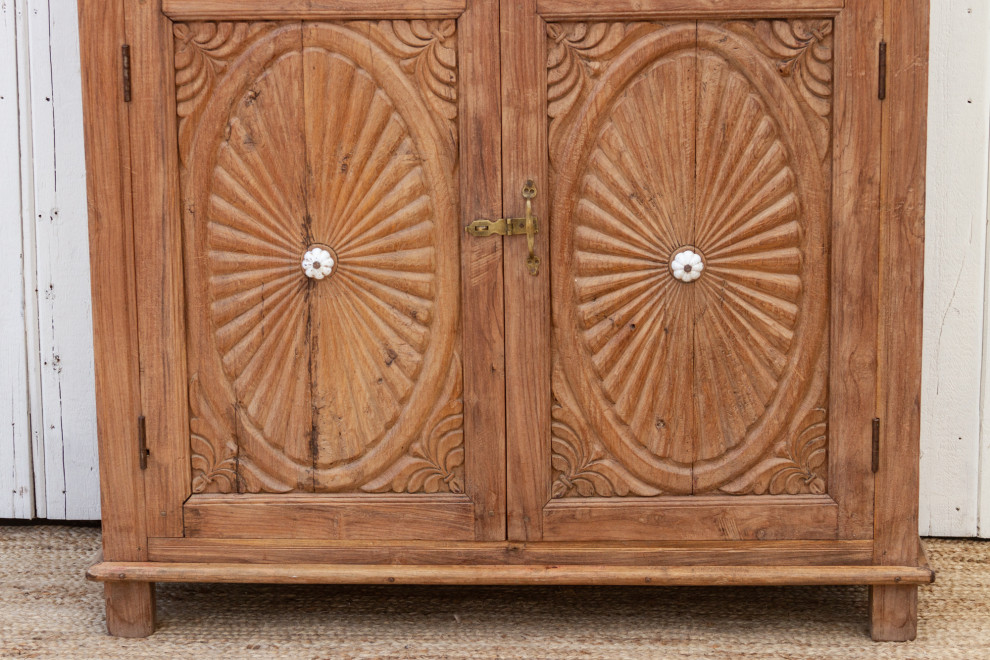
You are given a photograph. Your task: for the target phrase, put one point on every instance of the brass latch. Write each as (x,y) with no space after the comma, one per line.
(514,226)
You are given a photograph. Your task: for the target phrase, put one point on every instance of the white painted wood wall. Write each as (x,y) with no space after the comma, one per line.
(48,465)
(48,460)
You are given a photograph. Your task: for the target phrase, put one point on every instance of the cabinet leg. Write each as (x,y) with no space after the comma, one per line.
(130,608)
(893,613)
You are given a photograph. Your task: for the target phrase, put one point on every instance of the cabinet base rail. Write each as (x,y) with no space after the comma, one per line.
(109,571)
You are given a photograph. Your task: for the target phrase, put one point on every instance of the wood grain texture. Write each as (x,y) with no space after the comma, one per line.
(397,517)
(202,54)
(855,255)
(582,465)
(512,575)
(715,385)
(893,611)
(696,518)
(108,188)
(803,50)
(435,462)
(252,10)
(563,10)
(626,553)
(258,282)
(323,385)
(130,608)
(527,303)
(160,288)
(902,240)
(479,71)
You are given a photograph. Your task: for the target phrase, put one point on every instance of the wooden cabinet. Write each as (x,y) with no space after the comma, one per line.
(689,355)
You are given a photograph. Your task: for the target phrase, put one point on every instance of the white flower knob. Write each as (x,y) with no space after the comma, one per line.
(317,263)
(687,266)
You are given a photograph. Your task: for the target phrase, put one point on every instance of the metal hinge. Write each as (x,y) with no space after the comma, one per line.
(882,72)
(142,444)
(876,444)
(125,56)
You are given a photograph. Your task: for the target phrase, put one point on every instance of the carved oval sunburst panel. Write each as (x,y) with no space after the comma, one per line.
(690,150)
(315,139)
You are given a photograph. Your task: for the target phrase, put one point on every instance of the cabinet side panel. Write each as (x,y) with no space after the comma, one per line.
(114,318)
(158,251)
(902,277)
(855,236)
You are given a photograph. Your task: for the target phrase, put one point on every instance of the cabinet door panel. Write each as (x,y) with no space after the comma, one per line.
(701,149)
(319,170)
(328,381)
(694,275)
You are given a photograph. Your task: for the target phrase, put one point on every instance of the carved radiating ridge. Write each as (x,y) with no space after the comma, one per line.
(214,449)
(637,204)
(803,50)
(380,300)
(427,50)
(799,466)
(379,303)
(435,463)
(577,54)
(203,51)
(582,467)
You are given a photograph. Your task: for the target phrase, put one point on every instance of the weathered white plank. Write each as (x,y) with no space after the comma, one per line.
(62,262)
(955,266)
(30,253)
(983,521)
(16,481)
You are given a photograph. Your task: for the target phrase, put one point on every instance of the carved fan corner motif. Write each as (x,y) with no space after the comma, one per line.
(435,461)
(797,466)
(213,449)
(803,52)
(426,51)
(581,465)
(204,51)
(577,54)
(216,466)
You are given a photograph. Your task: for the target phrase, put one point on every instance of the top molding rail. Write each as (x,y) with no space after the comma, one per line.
(550,10)
(239,10)
(564,10)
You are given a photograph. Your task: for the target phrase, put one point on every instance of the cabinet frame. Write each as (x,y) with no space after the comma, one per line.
(139,543)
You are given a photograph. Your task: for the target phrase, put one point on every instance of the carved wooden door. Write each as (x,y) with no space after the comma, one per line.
(336,330)
(695,359)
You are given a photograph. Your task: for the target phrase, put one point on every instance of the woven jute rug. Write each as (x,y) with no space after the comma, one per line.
(47,610)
